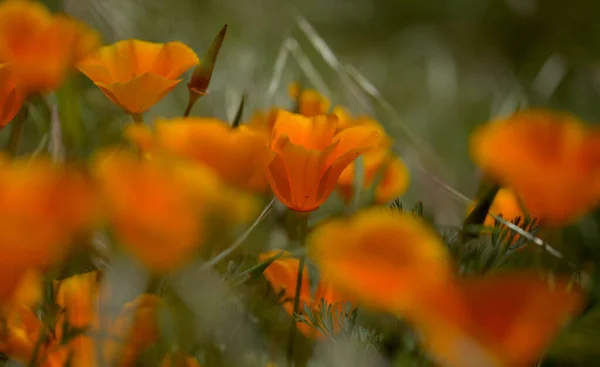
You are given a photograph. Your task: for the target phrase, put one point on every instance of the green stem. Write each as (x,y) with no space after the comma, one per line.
(302,231)
(16,133)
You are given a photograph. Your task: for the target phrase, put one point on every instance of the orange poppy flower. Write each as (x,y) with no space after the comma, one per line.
(135,74)
(38,224)
(394,176)
(310,101)
(233,153)
(158,207)
(78,296)
(12,95)
(282,275)
(40,46)
(376,255)
(506,203)
(307,157)
(549,159)
(511,319)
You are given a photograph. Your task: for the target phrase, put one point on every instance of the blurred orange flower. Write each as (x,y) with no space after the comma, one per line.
(310,101)
(394,177)
(549,159)
(40,46)
(136,74)
(12,94)
(38,224)
(511,319)
(307,157)
(282,275)
(233,153)
(376,255)
(78,296)
(158,207)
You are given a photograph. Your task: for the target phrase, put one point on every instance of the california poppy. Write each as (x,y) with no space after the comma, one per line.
(12,94)
(282,274)
(307,157)
(40,46)
(310,101)
(38,225)
(551,160)
(78,296)
(159,207)
(510,320)
(376,255)
(136,74)
(233,153)
(393,176)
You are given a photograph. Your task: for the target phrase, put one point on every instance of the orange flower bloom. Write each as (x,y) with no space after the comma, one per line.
(78,296)
(310,101)
(550,160)
(234,153)
(135,74)
(376,255)
(307,157)
(506,204)
(394,176)
(38,223)
(11,94)
(41,47)
(511,318)
(282,275)
(158,207)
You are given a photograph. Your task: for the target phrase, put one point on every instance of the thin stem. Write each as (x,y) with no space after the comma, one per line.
(138,118)
(191,101)
(38,346)
(302,230)
(16,133)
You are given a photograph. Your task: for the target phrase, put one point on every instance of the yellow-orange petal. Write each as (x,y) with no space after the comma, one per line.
(310,132)
(549,159)
(78,296)
(394,182)
(140,93)
(376,255)
(282,275)
(235,154)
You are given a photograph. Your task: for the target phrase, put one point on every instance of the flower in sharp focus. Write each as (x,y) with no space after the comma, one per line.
(375,256)
(551,160)
(136,74)
(40,46)
(381,164)
(12,94)
(158,207)
(307,156)
(235,154)
(510,320)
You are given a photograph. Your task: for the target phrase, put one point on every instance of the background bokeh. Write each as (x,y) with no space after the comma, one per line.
(444,66)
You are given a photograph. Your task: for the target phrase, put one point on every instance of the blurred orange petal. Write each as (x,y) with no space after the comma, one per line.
(549,159)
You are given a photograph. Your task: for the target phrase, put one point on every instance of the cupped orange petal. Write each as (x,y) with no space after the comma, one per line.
(139,94)
(310,132)
(551,160)
(77,295)
(375,257)
(12,95)
(136,74)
